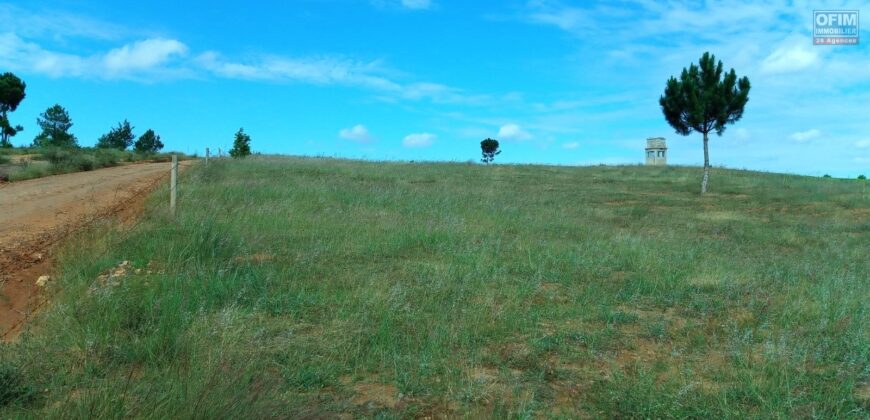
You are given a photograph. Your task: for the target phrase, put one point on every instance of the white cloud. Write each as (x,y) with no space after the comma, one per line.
(571,145)
(145,54)
(417,4)
(862,144)
(358,133)
(18,54)
(419,140)
(805,136)
(796,55)
(742,134)
(513,132)
(131,61)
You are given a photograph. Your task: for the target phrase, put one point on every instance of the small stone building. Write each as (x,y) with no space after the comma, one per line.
(656,151)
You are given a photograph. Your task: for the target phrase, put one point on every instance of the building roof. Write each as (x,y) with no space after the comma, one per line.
(656,143)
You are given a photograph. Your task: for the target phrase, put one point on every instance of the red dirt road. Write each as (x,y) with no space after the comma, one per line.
(35,214)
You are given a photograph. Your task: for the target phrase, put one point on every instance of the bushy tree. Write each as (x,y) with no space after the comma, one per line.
(148,143)
(702,100)
(120,137)
(11,94)
(241,145)
(55,124)
(7,131)
(489,148)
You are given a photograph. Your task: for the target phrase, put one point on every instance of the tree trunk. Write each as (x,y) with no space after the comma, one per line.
(706,166)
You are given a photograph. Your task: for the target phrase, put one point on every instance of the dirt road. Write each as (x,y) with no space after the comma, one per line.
(35,214)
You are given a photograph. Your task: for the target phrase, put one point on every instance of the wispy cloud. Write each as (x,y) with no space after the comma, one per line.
(358,133)
(795,55)
(571,145)
(145,54)
(314,70)
(805,136)
(336,71)
(56,25)
(513,132)
(417,4)
(419,140)
(23,48)
(405,4)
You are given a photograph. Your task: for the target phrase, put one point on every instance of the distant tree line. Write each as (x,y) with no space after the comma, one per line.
(55,124)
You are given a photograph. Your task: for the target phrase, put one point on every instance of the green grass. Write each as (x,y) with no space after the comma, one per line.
(315,287)
(40,162)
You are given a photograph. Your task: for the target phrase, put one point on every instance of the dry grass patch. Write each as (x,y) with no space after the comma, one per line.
(375,394)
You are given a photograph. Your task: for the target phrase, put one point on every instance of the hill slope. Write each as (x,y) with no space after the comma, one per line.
(312,287)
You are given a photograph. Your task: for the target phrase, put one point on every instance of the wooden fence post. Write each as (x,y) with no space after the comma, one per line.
(206,155)
(173,183)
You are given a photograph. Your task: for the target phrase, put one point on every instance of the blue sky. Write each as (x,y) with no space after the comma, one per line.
(560,82)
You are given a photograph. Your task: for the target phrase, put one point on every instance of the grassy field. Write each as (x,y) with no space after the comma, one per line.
(316,287)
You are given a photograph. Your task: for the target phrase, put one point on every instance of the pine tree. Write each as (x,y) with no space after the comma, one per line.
(241,145)
(120,137)
(703,101)
(148,143)
(55,124)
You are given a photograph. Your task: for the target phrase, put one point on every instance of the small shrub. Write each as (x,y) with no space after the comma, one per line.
(56,155)
(14,387)
(4,159)
(107,157)
(29,170)
(862,177)
(85,162)
(163,157)
(826,176)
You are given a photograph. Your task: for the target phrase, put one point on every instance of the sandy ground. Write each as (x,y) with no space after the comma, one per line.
(36,214)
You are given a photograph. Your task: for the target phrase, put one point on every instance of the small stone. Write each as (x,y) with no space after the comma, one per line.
(37,256)
(43,280)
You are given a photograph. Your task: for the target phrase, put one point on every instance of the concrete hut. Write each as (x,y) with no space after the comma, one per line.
(656,151)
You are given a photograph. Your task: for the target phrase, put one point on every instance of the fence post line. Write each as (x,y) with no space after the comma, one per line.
(173,183)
